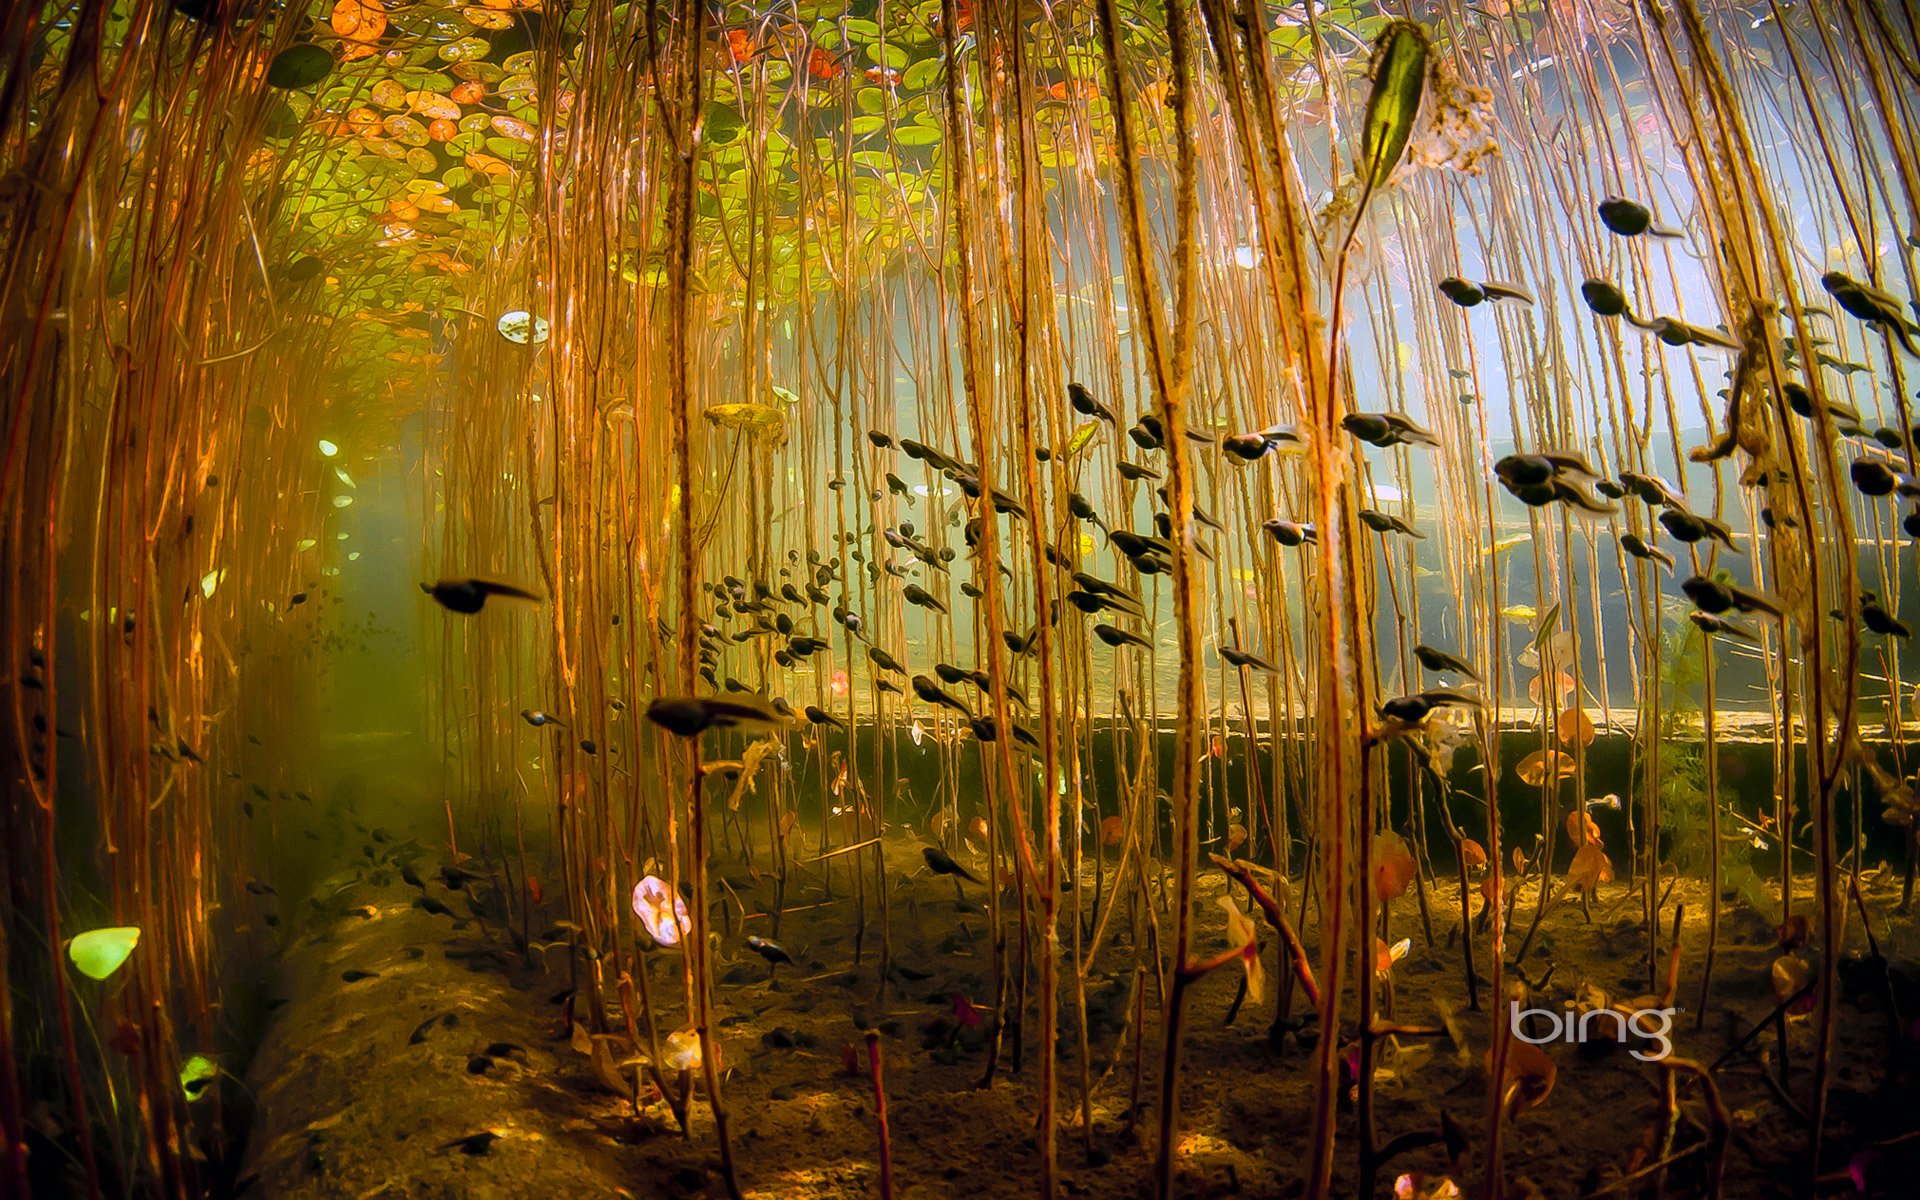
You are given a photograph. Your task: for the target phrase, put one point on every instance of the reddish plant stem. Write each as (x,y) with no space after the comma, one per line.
(880,1115)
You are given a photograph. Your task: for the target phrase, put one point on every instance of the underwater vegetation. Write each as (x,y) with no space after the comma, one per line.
(991,597)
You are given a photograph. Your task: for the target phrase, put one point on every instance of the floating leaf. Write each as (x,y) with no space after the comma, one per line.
(299,66)
(1528,1078)
(683,1050)
(1589,868)
(359,20)
(1547,627)
(1394,867)
(1534,768)
(1790,973)
(406,130)
(1488,892)
(463,49)
(1415,1185)
(1399,82)
(662,911)
(196,1074)
(1563,686)
(513,127)
(764,422)
(1572,727)
(98,953)
(487,18)
(521,327)
(1082,438)
(1242,934)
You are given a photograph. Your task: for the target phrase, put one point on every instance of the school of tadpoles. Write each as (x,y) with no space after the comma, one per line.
(1090,387)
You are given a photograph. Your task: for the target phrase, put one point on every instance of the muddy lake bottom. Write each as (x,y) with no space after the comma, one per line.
(355,1100)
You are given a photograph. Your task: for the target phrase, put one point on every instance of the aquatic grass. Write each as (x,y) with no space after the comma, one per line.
(907,221)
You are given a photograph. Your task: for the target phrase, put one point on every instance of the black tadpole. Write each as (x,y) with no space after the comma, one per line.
(941,863)
(474,1144)
(1439,661)
(469,596)
(772,951)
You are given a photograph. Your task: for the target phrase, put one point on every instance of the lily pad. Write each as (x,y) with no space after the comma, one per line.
(98,953)
(1573,727)
(764,422)
(1534,769)
(521,327)
(299,66)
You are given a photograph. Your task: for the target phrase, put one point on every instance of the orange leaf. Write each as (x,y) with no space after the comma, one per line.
(1472,853)
(1589,868)
(1394,868)
(360,20)
(1564,684)
(1112,830)
(1790,973)
(1529,1076)
(1580,828)
(1534,768)
(1573,728)
(821,66)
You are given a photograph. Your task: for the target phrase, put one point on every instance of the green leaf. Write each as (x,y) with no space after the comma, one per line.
(299,66)
(922,73)
(1399,82)
(1082,438)
(463,49)
(1547,625)
(196,1074)
(98,953)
